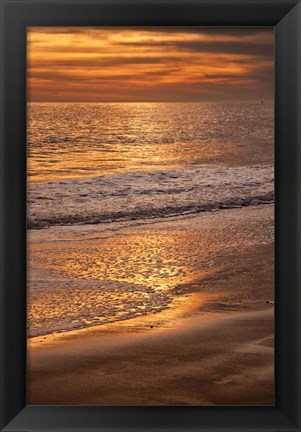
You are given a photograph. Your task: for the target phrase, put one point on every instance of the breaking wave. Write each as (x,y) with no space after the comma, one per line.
(145,195)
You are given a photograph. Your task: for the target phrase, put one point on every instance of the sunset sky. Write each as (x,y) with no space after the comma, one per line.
(150,64)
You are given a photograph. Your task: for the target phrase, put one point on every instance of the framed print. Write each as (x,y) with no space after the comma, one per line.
(149,223)
(150,184)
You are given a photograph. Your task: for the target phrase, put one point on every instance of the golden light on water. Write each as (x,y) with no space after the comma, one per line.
(105,279)
(93,276)
(159,260)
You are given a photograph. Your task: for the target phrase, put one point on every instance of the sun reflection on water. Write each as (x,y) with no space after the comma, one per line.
(115,278)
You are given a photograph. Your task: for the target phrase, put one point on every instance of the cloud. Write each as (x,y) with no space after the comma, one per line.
(151,63)
(231,47)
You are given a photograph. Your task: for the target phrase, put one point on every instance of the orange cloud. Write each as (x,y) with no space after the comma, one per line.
(149,64)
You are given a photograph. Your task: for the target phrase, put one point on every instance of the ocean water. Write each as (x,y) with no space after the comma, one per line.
(102,177)
(91,163)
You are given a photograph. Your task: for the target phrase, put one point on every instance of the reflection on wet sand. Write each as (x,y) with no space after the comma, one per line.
(88,276)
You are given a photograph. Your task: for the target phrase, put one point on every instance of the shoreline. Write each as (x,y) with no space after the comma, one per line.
(137,219)
(217,265)
(188,305)
(212,345)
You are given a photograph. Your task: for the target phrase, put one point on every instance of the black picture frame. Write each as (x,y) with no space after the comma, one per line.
(16,15)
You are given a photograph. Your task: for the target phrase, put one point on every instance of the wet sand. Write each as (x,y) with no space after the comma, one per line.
(212,346)
(225,359)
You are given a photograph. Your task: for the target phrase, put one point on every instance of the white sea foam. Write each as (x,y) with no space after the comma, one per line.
(142,195)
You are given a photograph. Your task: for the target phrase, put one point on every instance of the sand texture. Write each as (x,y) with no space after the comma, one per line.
(223,360)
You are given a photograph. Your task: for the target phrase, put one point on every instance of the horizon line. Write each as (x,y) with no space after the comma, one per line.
(159,101)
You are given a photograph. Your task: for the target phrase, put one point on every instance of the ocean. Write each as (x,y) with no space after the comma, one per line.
(111,187)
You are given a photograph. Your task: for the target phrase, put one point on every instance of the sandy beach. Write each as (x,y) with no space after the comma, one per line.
(228,359)
(212,345)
